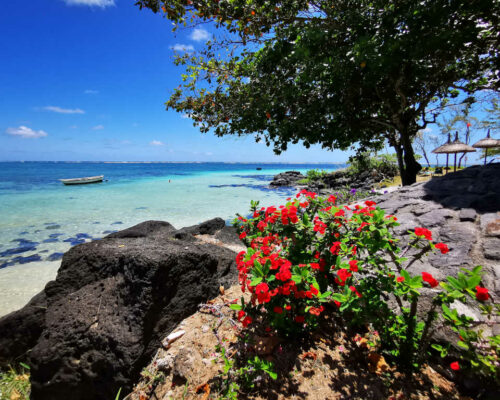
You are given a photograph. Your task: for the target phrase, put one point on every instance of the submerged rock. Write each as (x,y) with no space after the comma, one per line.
(111,304)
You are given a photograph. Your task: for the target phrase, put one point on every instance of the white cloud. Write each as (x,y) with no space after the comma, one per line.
(97,127)
(199,35)
(91,3)
(156,143)
(91,91)
(182,47)
(61,110)
(26,132)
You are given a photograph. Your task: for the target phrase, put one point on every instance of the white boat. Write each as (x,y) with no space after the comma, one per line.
(81,181)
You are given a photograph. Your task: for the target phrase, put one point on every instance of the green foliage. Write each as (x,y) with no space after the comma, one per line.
(310,253)
(365,161)
(316,174)
(14,383)
(331,73)
(242,374)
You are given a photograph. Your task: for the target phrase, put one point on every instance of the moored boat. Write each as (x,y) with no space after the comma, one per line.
(81,181)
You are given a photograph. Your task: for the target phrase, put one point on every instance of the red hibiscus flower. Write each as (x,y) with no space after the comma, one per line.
(429,279)
(426,233)
(262,292)
(247,321)
(482,293)
(455,366)
(261,226)
(353,265)
(335,248)
(400,279)
(442,247)
(300,319)
(340,213)
(243,235)
(343,274)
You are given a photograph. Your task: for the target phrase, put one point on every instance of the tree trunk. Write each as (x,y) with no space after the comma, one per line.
(410,171)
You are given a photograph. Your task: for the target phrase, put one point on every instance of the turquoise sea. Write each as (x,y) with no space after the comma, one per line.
(40,218)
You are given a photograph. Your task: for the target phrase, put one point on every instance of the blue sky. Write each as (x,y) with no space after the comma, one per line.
(82,82)
(88,79)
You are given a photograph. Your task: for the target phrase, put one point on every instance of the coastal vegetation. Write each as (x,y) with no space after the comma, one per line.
(330,73)
(311,254)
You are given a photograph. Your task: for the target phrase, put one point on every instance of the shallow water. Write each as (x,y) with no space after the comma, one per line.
(41,218)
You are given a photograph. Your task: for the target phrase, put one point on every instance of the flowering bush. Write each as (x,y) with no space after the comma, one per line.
(312,253)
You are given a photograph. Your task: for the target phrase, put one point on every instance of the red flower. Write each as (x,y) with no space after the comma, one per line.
(353,289)
(299,318)
(340,213)
(482,293)
(370,203)
(243,235)
(353,265)
(316,311)
(288,307)
(400,279)
(284,273)
(335,248)
(247,321)
(455,366)
(262,292)
(442,247)
(332,199)
(426,233)
(241,314)
(261,226)
(278,310)
(343,274)
(429,279)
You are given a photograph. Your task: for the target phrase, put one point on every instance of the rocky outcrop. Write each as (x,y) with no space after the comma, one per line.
(288,178)
(92,330)
(337,180)
(461,209)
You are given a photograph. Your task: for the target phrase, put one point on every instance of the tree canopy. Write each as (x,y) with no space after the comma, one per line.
(334,72)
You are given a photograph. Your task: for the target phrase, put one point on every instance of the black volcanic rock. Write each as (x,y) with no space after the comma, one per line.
(112,302)
(288,178)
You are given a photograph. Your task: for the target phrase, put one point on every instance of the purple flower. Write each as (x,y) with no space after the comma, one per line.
(385,191)
(353,191)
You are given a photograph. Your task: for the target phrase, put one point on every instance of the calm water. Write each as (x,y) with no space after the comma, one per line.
(41,218)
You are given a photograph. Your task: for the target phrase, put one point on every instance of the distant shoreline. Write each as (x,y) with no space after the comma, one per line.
(180,162)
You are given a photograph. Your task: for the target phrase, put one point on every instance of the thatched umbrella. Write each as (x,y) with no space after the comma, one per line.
(456,147)
(441,150)
(486,143)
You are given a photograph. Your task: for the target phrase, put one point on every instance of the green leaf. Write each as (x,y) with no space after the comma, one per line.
(255,281)
(405,275)
(473,281)
(235,307)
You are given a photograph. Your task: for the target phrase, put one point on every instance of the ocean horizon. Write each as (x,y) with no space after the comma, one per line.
(42,218)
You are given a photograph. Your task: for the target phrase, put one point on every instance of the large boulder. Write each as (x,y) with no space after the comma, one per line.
(112,302)
(288,178)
